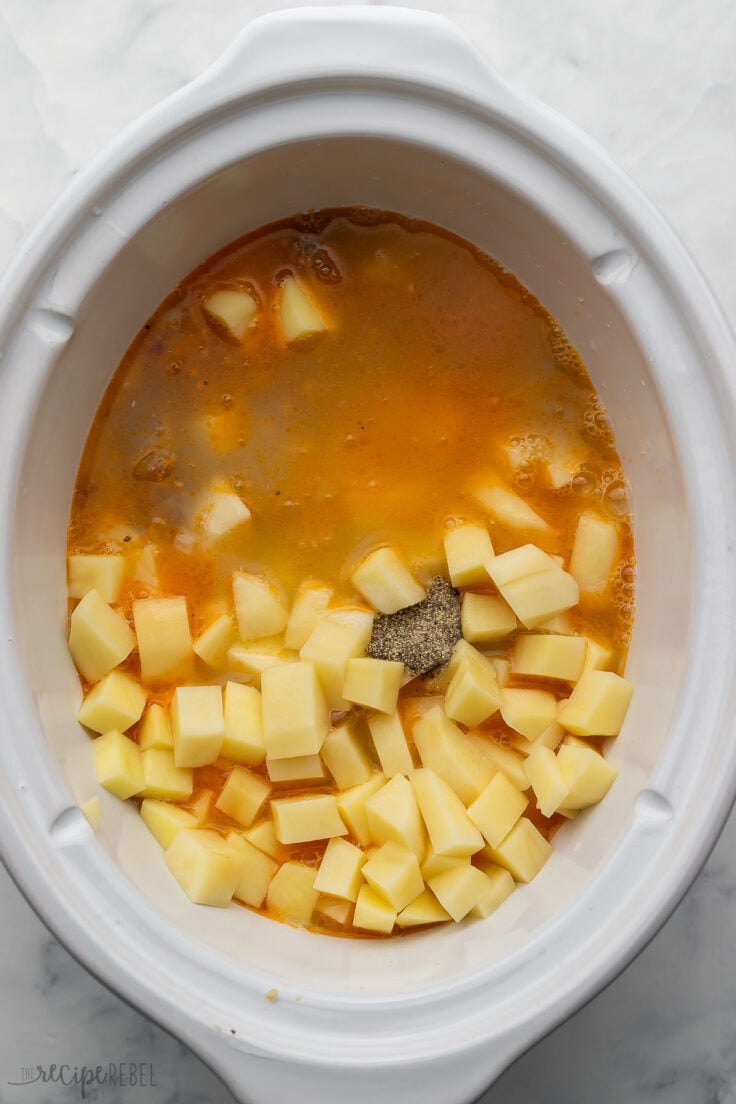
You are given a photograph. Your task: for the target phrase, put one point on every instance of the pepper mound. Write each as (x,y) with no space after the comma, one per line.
(421,636)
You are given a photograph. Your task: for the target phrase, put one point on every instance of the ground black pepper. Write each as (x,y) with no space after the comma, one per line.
(422,636)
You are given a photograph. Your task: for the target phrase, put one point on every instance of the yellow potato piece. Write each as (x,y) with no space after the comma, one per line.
(339,635)
(533,584)
(345,756)
(116,702)
(291,894)
(164,820)
(385,581)
(296,716)
(468,549)
(260,609)
(436,864)
(197,724)
(473,693)
(339,873)
(351,805)
(597,705)
(256,871)
(306,818)
(243,719)
(446,750)
(101,573)
(300,768)
(485,619)
(451,832)
(549,655)
(213,642)
(99,638)
(424,909)
(263,836)
(508,508)
(393,873)
(164,639)
(529,712)
(205,865)
(497,809)
(459,890)
(374,683)
(298,315)
(586,775)
(155,730)
(393,816)
(389,740)
(162,778)
(243,795)
(594,552)
(310,602)
(91,810)
(523,852)
(373,912)
(500,886)
(546,780)
(234,308)
(117,763)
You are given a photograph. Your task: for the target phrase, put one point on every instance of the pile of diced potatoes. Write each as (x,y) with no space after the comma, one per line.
(356,797)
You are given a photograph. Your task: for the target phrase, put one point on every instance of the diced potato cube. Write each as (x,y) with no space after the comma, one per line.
(523,852)
(339,872)
(332,909)
(162,778)
(298,315)
(518,563)
(389,740)
(117,763)
(155,730)
(300,768)
(473,694)
(424,909)
(500,886)
(243,795)
(164,639)
(549,656)
(260,609)
(234,308)
(386,582)
(374,683)
(254,659)
(499,757)
(468,548)
(101,573)
(533,584)
(373,913)
(393,816)
(561,623)
(528,711)
(586,775)
(497,809)
(205,865)
(451,832)
(460,890)
(291,894)
(351,805)
(503,670)
(310,602)
(508,509)
(345,756)
(444,748)
(594,552)
(243,717)
(263,836)
(198,725)
(256,871)
(116,702)
(296,717)
(597,705)
(91,810)
(338,636)
(99,638)
(222,513)
(306,818)
(393,872)
(551,737)
(485,619)
(213,642)
(435,864)
(546,779)
(598,656)
(202,807)
(164,820)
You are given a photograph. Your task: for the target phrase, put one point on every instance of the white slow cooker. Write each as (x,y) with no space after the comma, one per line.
(392,109)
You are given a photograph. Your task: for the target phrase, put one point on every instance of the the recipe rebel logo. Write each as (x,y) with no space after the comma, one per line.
(123,1075)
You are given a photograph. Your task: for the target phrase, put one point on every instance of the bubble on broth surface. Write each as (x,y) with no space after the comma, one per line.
(616,499)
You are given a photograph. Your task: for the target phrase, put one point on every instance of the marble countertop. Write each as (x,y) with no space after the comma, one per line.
(655,82)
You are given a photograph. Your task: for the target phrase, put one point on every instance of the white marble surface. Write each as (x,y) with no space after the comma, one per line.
(655,82)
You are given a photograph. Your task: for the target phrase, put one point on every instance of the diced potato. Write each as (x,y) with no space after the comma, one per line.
(117,763)
(497,809)
(234,308)
(461,650)
(528,711)
(467,549)
(310,602)
(389,740)
(460,890)
(243,795)
(339,873)
(162,778)
(586,775)
(345,756)
(485,619)
(451,832)
(205,865)
(473,694)
(444,748)
(500,886)
(155,731)
(393,873)
(518,563)
(338,636)
(298,315)
(533,584)
(146,567)
(435,864)
(374,683)
(385,581)
(306,818)
(202,807)
(164,639)
(91,810)
(213,642)
(296,716)
(301,768)
(254,659)
(597,705)
(256,871)
(594,552)
(508,509)
(222,512)
(101,573)
(499,757)
(263,836)
(116,702)
(551,737)
(424,909)
(332,909)
(243,717)
(561,623)
(260,609)
(598,656)
(291,894)
(373,912)
(549,656)
(197,724)
(164,820)
(546,779)
(99,638)
(523,852)
(393,816)
(503,670)
(351,805)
